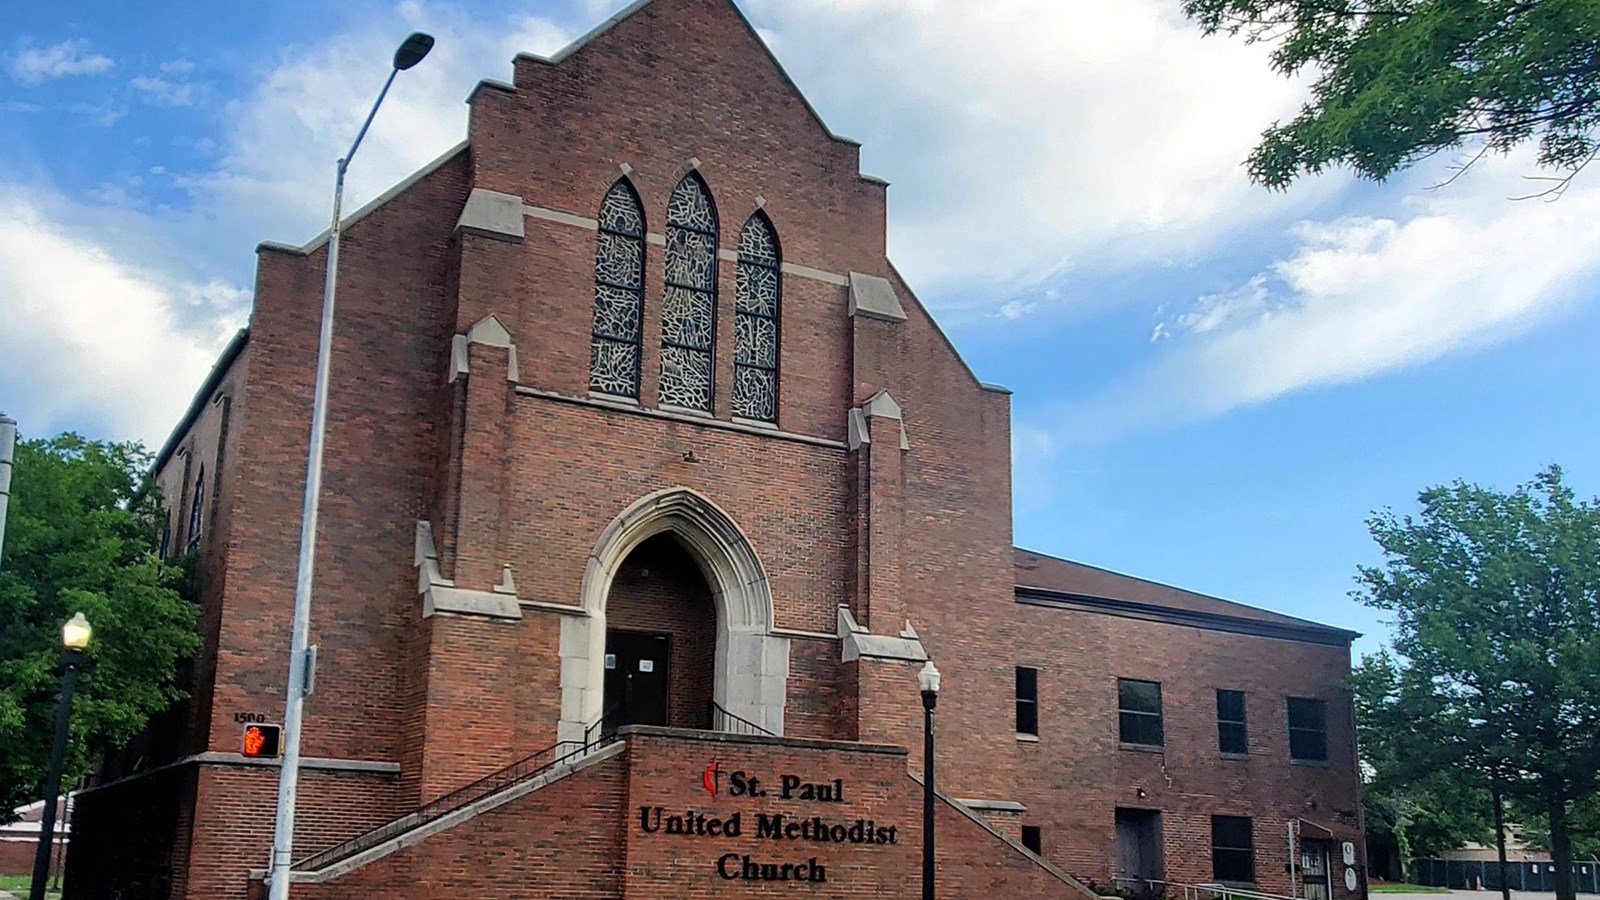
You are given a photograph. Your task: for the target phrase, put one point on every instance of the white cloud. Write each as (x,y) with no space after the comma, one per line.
(1031,137)
(282,140)
(88,337)
(32,65)
(119,313)
(1358,296)
(164,91)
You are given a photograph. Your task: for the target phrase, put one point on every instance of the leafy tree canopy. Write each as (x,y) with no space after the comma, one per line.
(79,538)
(1416,802)
(1399,80)
(1496,604)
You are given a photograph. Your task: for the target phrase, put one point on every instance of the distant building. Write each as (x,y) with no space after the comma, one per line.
(1517,850)
(19,840)
(642,455)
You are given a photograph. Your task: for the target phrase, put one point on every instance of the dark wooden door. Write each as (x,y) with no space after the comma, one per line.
(636,679)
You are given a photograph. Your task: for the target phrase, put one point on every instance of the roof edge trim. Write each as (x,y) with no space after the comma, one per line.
(219,370)
(1310,633)
(399,188)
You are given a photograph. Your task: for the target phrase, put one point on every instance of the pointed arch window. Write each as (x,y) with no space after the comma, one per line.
(618,335)
(755,322)
(689,303)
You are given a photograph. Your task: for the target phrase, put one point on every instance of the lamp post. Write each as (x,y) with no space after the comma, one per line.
(74,637)
(928,680)
(8,446)
(410,52)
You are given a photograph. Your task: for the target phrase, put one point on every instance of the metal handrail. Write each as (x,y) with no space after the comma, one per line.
(722,720)
(1218,891)
(596,729)
(494,782)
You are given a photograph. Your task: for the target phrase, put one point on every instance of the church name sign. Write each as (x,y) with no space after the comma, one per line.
(782,828)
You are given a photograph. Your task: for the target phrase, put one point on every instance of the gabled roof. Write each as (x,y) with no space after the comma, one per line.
(632,8)
(1044,580)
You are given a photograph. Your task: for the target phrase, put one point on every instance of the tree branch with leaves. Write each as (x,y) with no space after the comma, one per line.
(1397,81)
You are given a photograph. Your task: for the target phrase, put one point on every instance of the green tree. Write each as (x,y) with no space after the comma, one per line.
(1496,604)
(1399,80)
(1584,823)
(1417,804)
(80,537)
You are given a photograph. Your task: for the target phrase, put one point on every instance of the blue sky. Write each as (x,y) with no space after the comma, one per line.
(1214,384)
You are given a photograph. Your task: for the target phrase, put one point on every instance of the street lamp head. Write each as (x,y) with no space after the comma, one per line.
(928,678)
(76,633)
(412,50)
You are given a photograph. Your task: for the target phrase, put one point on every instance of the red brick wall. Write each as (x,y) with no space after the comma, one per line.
(16,856)
(659,589)
(1076,776)
(237,804)
(389,354)
(582,836)
(564,840)
(127,836)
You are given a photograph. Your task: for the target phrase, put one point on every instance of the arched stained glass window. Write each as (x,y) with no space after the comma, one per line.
(618,294)
(689,303)
(755,322)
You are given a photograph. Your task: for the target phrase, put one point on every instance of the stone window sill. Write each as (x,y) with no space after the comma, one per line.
(1234,755)
(614,398)
(1142,748)
(685,411)
(1027,738)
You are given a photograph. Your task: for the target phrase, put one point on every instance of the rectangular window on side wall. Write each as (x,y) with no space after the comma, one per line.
(1308,730)
(1232,737)
(1027,701)
(197,510)
(1233,850)
(1031,839)
(1139,712)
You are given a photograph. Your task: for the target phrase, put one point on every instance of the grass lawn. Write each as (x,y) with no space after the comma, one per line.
(1403,888)
(18,884)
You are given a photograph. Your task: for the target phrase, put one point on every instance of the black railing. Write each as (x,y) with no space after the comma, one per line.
(1464,874)
(604,727)
(722,720)
(594,738)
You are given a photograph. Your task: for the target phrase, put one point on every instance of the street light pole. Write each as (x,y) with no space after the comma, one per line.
(74,638)
(411,52)
(8,446)
(928,680)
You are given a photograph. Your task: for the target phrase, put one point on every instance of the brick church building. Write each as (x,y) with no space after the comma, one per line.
(650,487)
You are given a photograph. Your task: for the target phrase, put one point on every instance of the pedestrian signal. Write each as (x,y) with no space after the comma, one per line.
(263,741)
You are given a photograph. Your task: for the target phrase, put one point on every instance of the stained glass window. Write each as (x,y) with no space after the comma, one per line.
(689,303)
(618,294)
(755,323)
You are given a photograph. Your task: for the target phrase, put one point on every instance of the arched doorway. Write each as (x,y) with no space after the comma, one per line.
(749,670)
(661,639)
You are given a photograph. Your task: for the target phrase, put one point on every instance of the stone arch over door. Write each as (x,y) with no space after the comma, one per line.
(751,667)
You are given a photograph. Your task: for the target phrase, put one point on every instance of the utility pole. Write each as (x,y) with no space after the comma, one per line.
(8,447)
